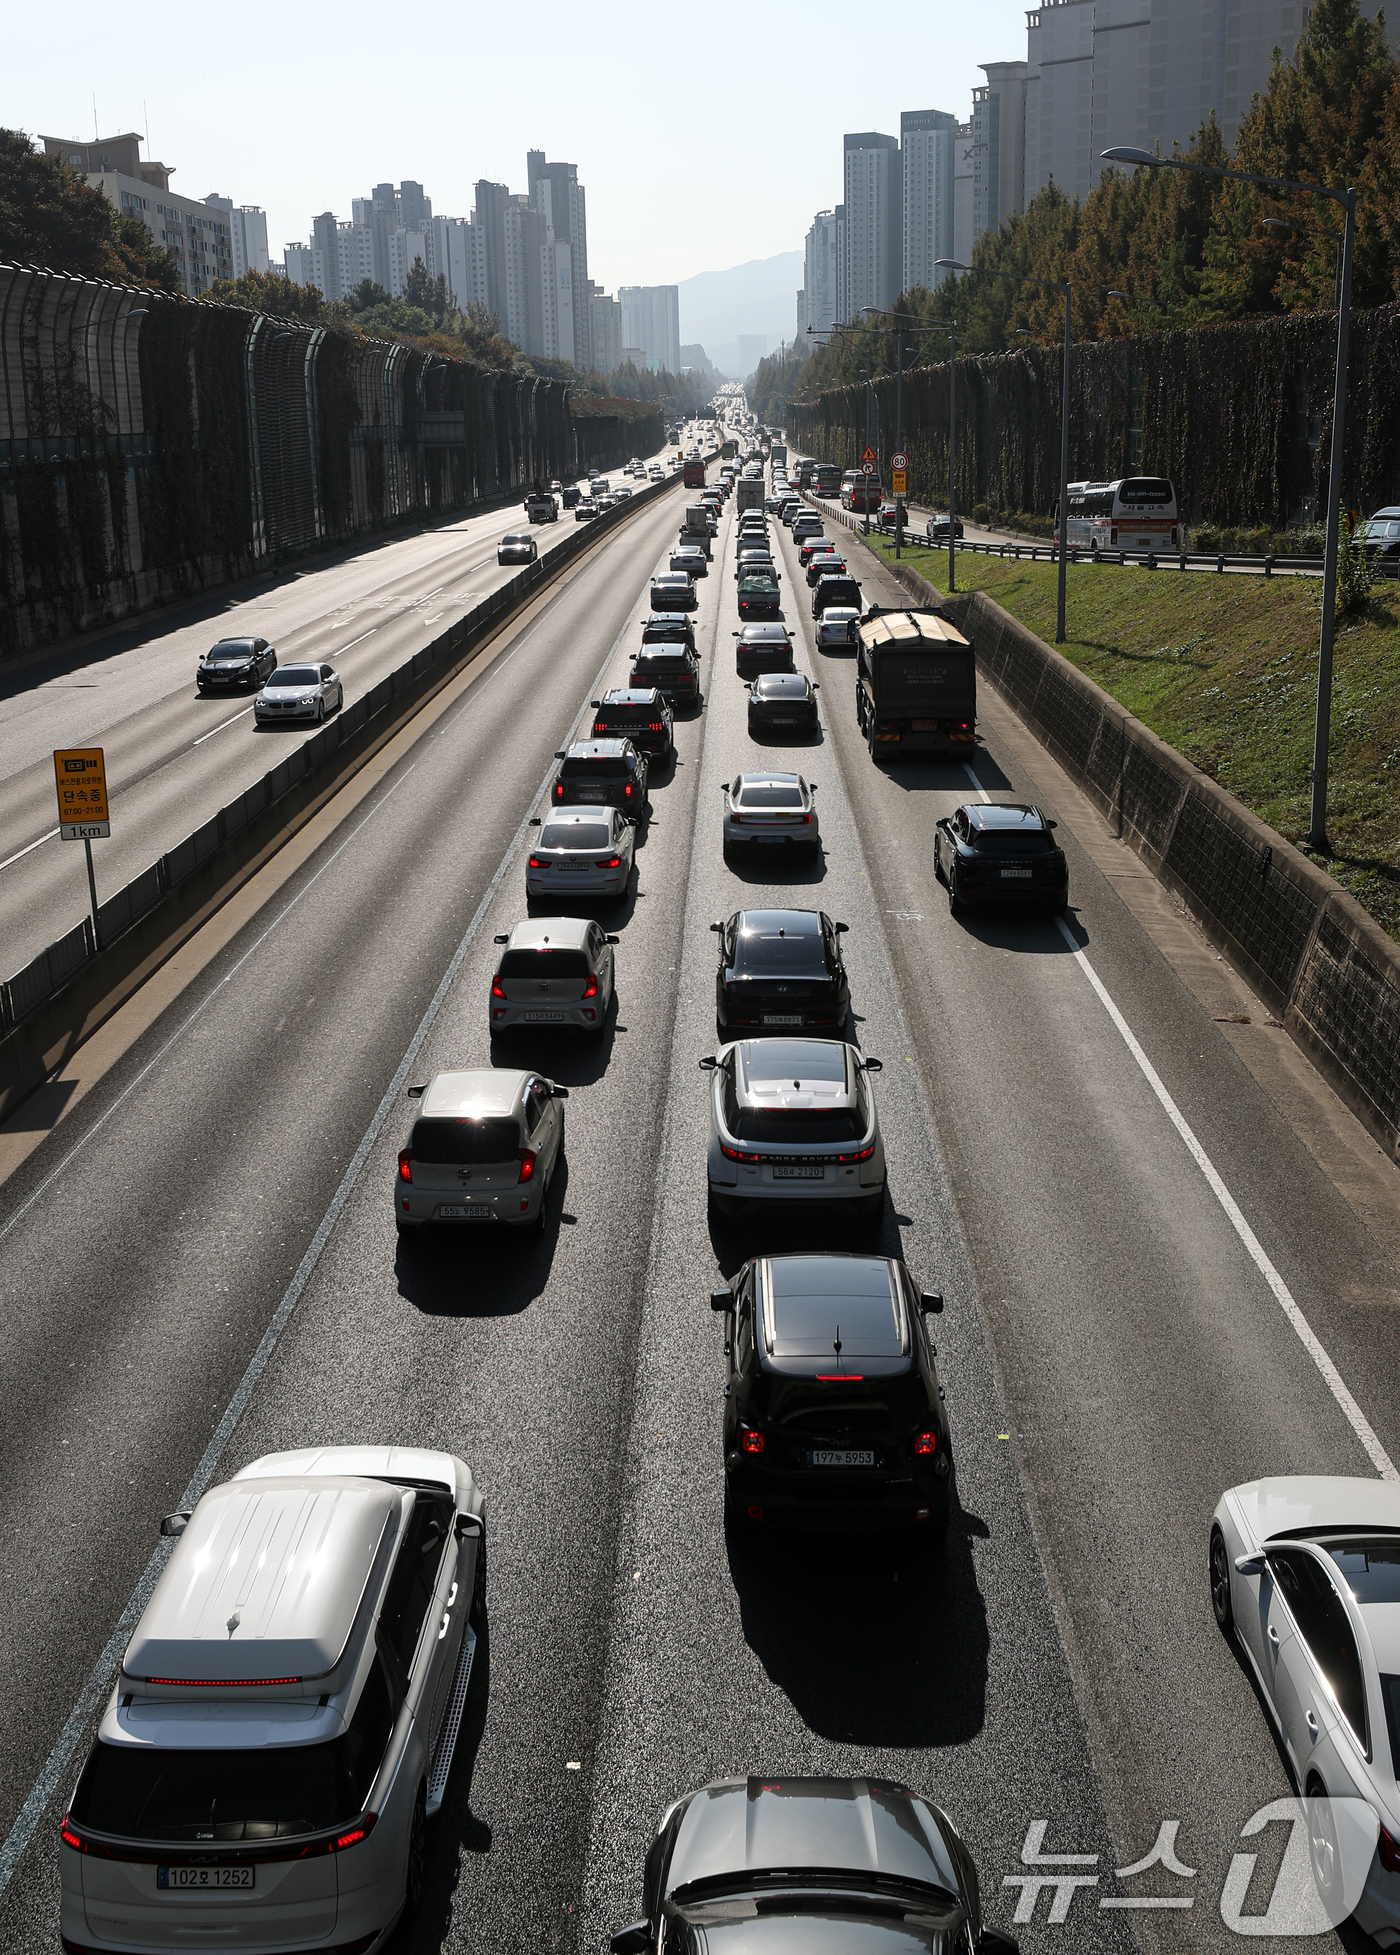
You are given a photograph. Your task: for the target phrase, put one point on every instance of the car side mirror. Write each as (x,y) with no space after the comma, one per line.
(500,940)
(1052,824)
(468,1524)
(561,756)
(873,1065)
(1249,1564)
(417,1092)
(842,928)
(931,1302)
(635,1940)
(595,704)
(811,787)
(717,926)
(172,1526)
(612,940)
(816,685)
(708,1063)
(721,1299)
(559,1092)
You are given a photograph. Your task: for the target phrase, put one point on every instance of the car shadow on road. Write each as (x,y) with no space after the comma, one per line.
(613,912)
(883,1642)
(779,869)
(939,774)
(774,1230)
(490,1271)
(456,1834)
(569,1057)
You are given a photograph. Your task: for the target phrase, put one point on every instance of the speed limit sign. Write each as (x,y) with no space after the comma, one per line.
(899,461)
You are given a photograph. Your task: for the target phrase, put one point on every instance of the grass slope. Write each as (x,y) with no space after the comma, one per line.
(1225,670)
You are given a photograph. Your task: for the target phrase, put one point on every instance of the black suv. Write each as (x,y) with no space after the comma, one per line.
(783,966)
(641,714)
(668,628)
(835,590)
(236,662)
(606,773)
(833,1416)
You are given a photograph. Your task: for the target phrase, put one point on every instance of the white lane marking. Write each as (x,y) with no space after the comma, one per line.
(99,1680)
(1309,1339)
(222,724)
(27,849)
(341,650)
(433,620)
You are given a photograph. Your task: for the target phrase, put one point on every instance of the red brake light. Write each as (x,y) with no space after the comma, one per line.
(559,790)
(613,862)
(405,1164)
(536,862)
(735,1153)
(926,1442)
(590,990)
(70,1838)
(840,1377)
(751,1441)
(497,989)
(628,788)
(1386,1847)
(358,1832)
(863,1154)
(526,1159)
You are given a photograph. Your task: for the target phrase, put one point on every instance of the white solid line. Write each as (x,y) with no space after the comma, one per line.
(27,849)
(340,650)
(1336,1384)
(222,724)
(433,620)
(99,1680)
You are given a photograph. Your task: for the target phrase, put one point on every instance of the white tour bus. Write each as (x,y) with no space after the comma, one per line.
(1138,513)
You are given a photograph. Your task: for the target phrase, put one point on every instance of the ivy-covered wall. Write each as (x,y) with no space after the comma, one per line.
(1238,416)
(151,446)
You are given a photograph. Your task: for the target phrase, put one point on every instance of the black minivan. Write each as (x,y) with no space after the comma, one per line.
(833,1414)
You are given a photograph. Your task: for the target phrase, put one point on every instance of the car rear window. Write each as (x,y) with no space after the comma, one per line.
(1370,1569)
(445,1143)
(545,963)
(798,1126)
(780,685)
(771,797)
(848,1404)
(599,768)
(1013,841)
(575,835)
(757,956)
(665,662)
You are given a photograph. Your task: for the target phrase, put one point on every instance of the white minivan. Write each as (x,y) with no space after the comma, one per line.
(285,1715)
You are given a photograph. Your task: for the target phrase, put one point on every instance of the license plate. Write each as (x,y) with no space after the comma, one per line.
(458,1212)
(926,726)
(781,719)
(783,1018)
(592,794)
(1015,872)
(581,866)
(543,1017)
(770,838)
(178,1880)
(846,1458)
(810,1172)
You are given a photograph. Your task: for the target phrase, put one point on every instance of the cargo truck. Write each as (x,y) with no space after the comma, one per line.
(748,493)
(698,526)
(916,684)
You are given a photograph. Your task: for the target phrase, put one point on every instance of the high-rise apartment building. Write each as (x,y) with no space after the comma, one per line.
(822,268)
(524,234)
(490,219)
(556,191)
(874,222)
(926,142)
(247,232)
(963,155)
(459,256)
(198,234)
(605,330)
(998,138)
(651,320)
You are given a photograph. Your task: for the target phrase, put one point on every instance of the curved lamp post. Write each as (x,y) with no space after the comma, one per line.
(1322,728)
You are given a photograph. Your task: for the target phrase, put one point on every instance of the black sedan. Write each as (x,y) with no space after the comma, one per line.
(236,662)
(780,971)
(1000,854)
(673,591)
(762,648)
(833,1415)
(766,1865)
(517,547)
(782,703)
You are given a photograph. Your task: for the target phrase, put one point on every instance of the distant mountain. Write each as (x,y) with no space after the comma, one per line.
(759,298)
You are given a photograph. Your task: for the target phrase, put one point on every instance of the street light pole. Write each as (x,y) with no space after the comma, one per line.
(952,446)
(1322,727)
(1058,285)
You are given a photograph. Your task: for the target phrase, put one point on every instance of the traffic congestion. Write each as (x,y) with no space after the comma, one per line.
(766,1578)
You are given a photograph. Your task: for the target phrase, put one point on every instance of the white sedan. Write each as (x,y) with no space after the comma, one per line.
(298,692)
(770,812)
(837,626)
(1305,1577)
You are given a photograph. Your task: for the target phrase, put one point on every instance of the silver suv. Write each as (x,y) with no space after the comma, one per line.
(285,1715)
(794,1120)
(484,1148)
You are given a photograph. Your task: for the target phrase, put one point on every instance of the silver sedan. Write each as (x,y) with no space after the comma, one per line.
(298,692)
(580,852)
(770,811)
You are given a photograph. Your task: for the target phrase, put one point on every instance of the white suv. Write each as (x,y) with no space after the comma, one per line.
(285,1715)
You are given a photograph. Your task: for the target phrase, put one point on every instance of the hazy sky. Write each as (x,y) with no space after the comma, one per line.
(705,134)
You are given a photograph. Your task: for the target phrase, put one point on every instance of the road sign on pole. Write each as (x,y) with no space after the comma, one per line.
(868,459)
(80,774)
(867,468)
(898,478)
(899,461)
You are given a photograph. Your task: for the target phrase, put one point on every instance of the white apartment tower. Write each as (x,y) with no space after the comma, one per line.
(651,321)
(963,155)
(247,225)
(822,271)
(874,227)
(926,140)
(998,138)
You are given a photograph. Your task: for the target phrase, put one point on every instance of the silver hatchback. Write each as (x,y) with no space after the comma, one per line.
(484,1148)
(794,1120)
(581,852)
(553,970)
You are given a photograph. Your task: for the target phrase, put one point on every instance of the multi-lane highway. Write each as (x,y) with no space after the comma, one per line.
(199,1266)
(173,758)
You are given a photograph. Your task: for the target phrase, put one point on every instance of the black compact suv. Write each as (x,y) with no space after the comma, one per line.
(601,773)
(641,714)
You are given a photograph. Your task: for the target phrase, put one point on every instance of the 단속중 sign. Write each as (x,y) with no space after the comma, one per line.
(80,775)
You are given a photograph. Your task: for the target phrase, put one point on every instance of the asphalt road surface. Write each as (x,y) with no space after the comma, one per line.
(173,758)
(1112,1353)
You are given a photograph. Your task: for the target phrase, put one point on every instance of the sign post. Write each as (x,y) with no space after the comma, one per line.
(80,776)
(899,476)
